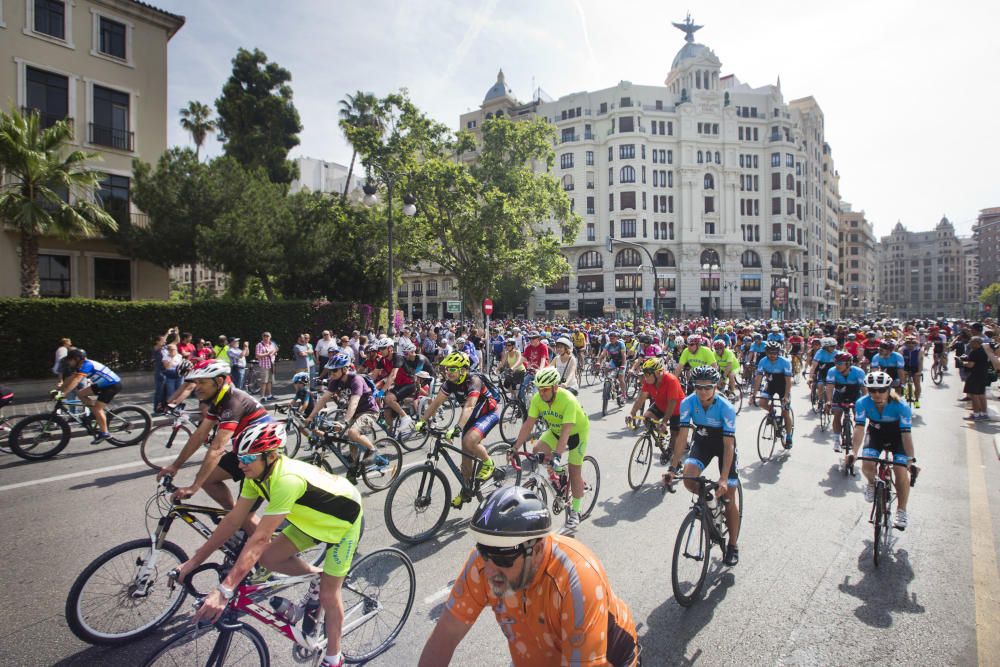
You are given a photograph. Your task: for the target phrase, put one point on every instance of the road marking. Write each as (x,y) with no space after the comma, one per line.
(985,577)
(440,595)
(82,473)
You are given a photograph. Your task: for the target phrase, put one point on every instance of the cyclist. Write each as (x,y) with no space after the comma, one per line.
(729,365)
(318,506)
(713,420)
(361,412)
(104,385)
(512,369)
(888,360)
(773,376)
(869,348)
(401,382)
(757,349)
(302,402)
(664,390)
(795,349)
(549,593)
(938,341)
(565,362)
(568,429)
(580,344)
(822,361)
(844,385)
(480,413)
(694,355)
(889,422)
(913,365)
(536,353)
(614,351)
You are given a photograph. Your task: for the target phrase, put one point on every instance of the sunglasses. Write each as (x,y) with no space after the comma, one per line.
(500,558)
(877,390)
(247,459)
(703,387)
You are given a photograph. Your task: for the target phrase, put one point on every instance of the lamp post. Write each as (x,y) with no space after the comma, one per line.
(731,286)
(711,266)
(609,245)
(389,179)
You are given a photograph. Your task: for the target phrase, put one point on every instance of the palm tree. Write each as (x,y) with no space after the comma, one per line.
(196,118)
(359,110)
(39,180)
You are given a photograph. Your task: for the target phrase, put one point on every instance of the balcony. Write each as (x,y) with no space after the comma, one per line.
(432,291)
(569,187)
(588,136)
(112,137)
(47,120)
(570,137)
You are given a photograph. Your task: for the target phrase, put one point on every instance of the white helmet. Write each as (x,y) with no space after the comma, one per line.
(878,380)
(406,345)
(564,341)
(213,369)
(383,343)
(827,342)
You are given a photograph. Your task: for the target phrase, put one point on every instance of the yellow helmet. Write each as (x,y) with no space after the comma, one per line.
(456,360)
(652,364)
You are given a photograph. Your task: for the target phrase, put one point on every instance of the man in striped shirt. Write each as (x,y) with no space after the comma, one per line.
(265,353)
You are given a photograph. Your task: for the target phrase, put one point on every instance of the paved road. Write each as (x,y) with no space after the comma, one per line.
(804,593)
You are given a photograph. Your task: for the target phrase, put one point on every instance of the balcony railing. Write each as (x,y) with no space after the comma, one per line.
(569,187)
(47,119)
(113,137)
(570,137)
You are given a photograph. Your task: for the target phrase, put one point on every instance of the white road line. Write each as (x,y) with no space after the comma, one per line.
(440,595)
(82,473)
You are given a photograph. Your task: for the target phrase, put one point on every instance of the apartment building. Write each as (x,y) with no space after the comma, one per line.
(986,231)
(858,263)
(922,272)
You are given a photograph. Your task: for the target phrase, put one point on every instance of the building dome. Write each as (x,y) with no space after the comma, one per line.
(690,50)
(498,90)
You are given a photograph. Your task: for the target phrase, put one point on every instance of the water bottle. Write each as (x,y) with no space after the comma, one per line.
(286,610)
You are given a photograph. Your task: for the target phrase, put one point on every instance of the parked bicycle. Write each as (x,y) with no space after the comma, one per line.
(42,436)
(251,381)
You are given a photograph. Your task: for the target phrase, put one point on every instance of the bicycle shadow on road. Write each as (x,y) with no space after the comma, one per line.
(18,462)
(102,482)
(631,505)
(133,653)
(882,589)
(837,484)
(763,472)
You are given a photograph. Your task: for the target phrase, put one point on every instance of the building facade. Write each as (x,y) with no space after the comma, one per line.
(728,191)
(971,278)
(322,176)
(922,272)
(101,65)
(858,263)
(987,234)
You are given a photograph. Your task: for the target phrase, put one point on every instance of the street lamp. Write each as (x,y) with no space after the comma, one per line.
(711,267)
(389,179)
(731,286)
(609,244)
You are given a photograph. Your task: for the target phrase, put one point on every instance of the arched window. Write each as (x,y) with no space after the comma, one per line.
(777,261)
(567,181)
(628,257)
(709,182)
(627,175)
(709,256)
(590,260)
(432,287)
(701,157)
(789,183)
(750,260)
(664,257)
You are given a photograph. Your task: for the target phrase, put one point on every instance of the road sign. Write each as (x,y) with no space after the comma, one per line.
(487,306)
(454,306)
(663,291)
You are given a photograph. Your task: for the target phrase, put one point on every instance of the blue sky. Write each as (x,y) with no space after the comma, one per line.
(909,89)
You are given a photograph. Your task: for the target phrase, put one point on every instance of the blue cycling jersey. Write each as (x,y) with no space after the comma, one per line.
(616,352)
(780,337)
(100,375)
(893,360)
(824,357)
(720,414)
(780,366)
(855,376)
(894,412)
(757,347)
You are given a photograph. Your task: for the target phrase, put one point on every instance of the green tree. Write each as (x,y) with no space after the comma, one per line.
(196,118)
(360,110)
(46,189)
(990,296)
(257,123)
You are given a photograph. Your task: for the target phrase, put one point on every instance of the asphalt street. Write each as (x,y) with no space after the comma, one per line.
(804,593)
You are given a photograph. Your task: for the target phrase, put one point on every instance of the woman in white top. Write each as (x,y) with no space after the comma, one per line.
(171,362)
(565,363)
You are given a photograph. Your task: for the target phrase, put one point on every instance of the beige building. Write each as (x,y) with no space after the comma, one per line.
(971,280)
(102,66)
(987,234)
(858,263)
(212,282)
(922,272)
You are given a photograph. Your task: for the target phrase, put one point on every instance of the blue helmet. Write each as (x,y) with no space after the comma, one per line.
(302,378)
(339,360)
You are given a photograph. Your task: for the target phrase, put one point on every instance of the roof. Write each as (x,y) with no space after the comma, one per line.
(157,9)
(690,50)
(499,89)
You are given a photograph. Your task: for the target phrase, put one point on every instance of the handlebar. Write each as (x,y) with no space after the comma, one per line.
(167,482)
(187,584)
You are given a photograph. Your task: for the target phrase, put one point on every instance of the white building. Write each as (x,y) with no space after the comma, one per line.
(704,169)
(322,176)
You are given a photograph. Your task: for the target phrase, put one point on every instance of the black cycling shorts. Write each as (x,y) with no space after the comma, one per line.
(105,394)
(231,464)
(705,448)
(675,420)
(403,392)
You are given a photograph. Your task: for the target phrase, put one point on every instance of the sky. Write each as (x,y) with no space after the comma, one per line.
(909,89)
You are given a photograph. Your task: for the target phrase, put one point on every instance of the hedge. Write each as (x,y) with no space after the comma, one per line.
(119,333)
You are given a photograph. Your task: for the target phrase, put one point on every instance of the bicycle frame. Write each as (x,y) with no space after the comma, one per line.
(440,450)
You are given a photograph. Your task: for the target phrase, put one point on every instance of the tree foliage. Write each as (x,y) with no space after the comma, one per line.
(196,118)
(356,111)
(258,123)
(991,296)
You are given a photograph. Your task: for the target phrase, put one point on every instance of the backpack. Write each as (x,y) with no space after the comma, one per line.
(490,386)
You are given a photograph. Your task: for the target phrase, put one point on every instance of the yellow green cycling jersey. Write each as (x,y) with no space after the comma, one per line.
(703,357)
(564,409)
(323,506)
(727,361)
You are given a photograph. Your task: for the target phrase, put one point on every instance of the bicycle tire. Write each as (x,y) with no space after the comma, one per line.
(252,381)
(937,375)
(687,596)
(824,416)
(163,441)
(879,524)
(591,486)
(27,447)
(293,438)
(378,476)
(77,616)
(130,420)
(605,397)
(448,411)
(511,418)
(736,497)
(185,648)
(370,579)
(505,474)
(631,388)
(640,461)
(416,503)
(765,439)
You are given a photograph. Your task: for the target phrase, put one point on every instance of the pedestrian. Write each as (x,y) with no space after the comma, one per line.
(170,365)
(265,352)
(64,345)
(323,346)
(302,357)
(237,357)
(186,348)
(312,355)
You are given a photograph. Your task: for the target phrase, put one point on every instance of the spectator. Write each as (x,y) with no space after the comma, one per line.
(302,357)
(345,348)
(156,361)
(64,345)
(355,343)
(312,355)
(186,348)
(237,355)
(221,349)
(170,363)
(978,363)
(323,346)
(205,350)
(265,353)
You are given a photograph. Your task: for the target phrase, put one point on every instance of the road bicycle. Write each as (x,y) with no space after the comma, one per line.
(885,496)
(612,389)
(414,407)
(44,435)
(591,372)
(530,472)
(418,502)
(251,381)
(378,473)
(937,371)
(734,396)
(819,405)
(633,382)
(910,390)
(772,429)
(168,439)
(641,459)
(377,594)
(704,525)
(123,594)
(796,367)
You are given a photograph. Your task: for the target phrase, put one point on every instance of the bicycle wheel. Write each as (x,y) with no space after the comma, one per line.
(511,418)
(234,645)
(163,443)
(385,468)
(446,414)
(383,584)
(605,397)
(39,436)
(880,523)
(631,388)
(108,603)
(252,381)
(293,438)
(691,555)
(640,461)
(824,416)
(591,485)
(128,425)
(937,375)
(766,438)
(738,398)
(417,504)
(505,474)
(735,497)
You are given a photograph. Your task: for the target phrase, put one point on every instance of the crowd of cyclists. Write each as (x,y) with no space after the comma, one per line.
(685,376)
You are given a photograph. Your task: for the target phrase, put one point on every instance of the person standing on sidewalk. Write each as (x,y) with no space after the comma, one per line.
(238,361)
(301,354)
(266,352)
(156,360)
(978,363)
(64,345)
(323,346)
(170,363)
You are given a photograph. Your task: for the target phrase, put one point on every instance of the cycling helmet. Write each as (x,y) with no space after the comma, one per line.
(772,346)
(184,367)
(719,344)
(339,360)
(383,343)
(694,338)
(613,333)
(628,334)
(652,351)
(301,378)
(509,517)
(829,342)
(260,437)
(509,342)
(705,374)
(370,348)
(213,369)
(841,357)
(878,380)
(747,339)
(888,344)
(757,337)
(547,377)
(645,339)
(456,360)
(852,336)
(76,353)
(406,346)
(564,341)
(652,364)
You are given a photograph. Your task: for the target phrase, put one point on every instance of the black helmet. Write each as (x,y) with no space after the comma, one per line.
(509,517)
(76,353)
(703,373)
(772,346)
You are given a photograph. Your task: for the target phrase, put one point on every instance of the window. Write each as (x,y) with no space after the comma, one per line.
(667,284)
(54,275)
(710,282)
(566,161)
(561,286)
(112,278)
(710,205)
(50,18)
(591,231)
(567,182)
(777,261)
(611,176)
(48,94)
(626,151)
(664,258)
(628,228)
(670,179)
(775,181)
(611,201)
(670,204)
(590,158)
(112,37)
(750,260)
(790,206)
(627,175)
(471,125)
(789,182)
(590,260)
(775,159)
(114,197)
(603,108)
(701,157)
(750,284)
(670,157)
(590,205)
(789,160)
(110,126)
(775,205)
(710,228)
(626,102)
(590,284)
(709,182)
(627,200)
(611,153)
(626,124)
(627,282)
(628,257)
